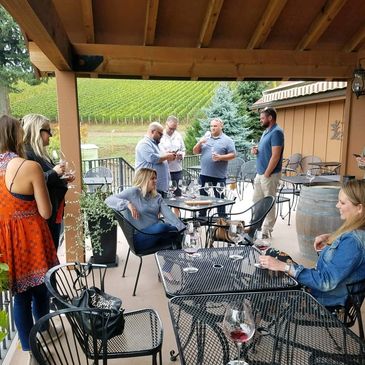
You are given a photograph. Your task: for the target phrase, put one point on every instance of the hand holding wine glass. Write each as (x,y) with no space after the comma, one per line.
(239,325)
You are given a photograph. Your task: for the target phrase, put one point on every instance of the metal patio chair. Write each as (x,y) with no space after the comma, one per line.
(143,333)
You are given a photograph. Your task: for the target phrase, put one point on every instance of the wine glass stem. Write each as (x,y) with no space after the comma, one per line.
(239,347)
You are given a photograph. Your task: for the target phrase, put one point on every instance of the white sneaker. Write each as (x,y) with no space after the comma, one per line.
(52,334)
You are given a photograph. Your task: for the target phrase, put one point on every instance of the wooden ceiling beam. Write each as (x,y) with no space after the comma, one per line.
(151,21)
(41,23)
(210,21)
(219,63)
(267,21)
(357,38)
(88,19)
(320,24)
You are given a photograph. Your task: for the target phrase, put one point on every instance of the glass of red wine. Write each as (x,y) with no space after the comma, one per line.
(239,326)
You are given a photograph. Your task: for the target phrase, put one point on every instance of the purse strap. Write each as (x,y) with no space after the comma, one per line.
(82,271)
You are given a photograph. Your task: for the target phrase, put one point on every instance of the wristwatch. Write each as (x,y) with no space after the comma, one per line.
(287,269)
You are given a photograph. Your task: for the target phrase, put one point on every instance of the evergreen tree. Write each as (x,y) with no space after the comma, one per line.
(14,59)
(248,92)
(224,106)
(191,136)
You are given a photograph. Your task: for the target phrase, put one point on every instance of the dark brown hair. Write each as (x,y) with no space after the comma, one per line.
(11,136)
(269,111)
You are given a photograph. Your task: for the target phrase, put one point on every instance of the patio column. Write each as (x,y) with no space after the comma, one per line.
(70,144)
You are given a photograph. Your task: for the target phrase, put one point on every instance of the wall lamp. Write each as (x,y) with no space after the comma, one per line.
(358,81)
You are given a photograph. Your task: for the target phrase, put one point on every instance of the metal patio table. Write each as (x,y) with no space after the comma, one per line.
(320,179)
(212,202)
(218,273)
(292,328)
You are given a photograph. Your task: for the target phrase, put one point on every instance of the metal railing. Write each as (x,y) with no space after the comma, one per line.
(123,171)
(6,304)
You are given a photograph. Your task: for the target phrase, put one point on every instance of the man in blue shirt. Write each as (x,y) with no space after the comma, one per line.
(216,150)
(148,154)
(269,154)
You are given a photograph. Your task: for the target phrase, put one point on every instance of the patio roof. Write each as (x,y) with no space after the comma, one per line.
(189,39)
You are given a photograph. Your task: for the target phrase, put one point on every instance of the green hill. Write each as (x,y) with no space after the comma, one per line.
(116,101)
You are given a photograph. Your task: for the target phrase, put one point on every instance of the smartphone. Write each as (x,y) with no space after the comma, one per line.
(356,155)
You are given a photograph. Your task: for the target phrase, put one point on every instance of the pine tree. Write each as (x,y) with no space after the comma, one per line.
(14,59)
(247,93)
(224,107)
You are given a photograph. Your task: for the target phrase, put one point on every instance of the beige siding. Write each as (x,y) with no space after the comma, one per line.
(308,130)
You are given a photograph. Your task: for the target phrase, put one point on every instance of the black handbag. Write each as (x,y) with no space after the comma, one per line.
(112,321)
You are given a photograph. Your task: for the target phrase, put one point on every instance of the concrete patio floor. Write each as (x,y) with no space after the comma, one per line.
(150,292)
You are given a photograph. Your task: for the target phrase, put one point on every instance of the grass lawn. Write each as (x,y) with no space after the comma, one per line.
(117,140)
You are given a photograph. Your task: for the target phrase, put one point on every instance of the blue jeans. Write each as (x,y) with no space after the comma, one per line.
(35,300)
(214,180)
(145,241)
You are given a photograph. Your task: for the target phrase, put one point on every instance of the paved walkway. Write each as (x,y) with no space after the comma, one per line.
(150,292)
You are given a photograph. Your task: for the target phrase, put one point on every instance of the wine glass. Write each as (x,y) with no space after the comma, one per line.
(261,244)
(310,176)
(183,186)
(239,325)
(172,189)
(190,246)
(234,235)
(208,187)
(220,190)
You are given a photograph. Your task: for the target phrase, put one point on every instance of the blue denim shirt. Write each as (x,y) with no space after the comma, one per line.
(341,263)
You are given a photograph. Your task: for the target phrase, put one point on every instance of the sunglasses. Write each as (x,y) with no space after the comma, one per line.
(47,131)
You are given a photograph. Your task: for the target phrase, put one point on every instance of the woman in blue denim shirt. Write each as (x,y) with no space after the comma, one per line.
(342,254)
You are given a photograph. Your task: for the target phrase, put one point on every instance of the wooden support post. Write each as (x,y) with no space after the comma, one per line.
(70,145)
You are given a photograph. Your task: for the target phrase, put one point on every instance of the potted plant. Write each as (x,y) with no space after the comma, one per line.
(98,223)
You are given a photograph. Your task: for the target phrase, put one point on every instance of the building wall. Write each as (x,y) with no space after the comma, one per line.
(313,129)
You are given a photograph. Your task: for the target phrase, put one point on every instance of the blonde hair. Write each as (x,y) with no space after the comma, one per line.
(355,192)
(32,125)
(11,136)
(142,178)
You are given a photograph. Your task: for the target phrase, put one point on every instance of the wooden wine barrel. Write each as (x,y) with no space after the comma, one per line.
(316,214)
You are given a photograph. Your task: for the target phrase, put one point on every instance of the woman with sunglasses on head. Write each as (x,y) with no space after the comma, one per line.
(342,254)
(26,244)
(37,132)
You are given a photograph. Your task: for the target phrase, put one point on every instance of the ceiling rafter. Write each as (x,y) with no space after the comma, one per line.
(210,21)
(219,63)
(151,21)
(88,19)
(41,23)
(320,24)
(357,38)
(267,21)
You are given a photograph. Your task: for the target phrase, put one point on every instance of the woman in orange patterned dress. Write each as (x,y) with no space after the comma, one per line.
(25,240)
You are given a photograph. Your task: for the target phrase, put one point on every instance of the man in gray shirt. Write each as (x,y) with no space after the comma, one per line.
(216,150)
(148,154)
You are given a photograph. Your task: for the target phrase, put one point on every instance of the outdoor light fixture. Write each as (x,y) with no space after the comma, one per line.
(358,81)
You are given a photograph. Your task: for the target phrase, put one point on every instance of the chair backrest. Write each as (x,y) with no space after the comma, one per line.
(248,171)
(259,212)
(75,342)
(294,161)
(234,167)
(99,171)
(304,164)
(127,228)
(356,295)
(169,240)
(67,281)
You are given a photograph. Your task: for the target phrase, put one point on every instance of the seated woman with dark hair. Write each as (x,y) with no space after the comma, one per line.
(142,206)
(342,254)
